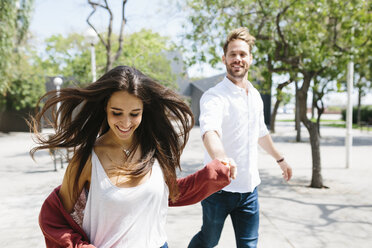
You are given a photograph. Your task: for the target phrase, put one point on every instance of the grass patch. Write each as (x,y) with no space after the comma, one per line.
(342,125)
(285,120)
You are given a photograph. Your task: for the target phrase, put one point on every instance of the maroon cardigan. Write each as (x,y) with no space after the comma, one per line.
(60,229)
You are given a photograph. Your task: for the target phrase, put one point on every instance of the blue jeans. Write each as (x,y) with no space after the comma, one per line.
(244,212)
(165,245)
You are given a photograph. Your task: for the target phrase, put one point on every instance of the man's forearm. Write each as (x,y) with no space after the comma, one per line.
(268,145)
(213,144)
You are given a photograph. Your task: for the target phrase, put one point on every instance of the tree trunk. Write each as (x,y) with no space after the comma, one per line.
(320,112)
(359,113)
(279,99)
(297,116)
(313,107)
(316,180)
(273,115)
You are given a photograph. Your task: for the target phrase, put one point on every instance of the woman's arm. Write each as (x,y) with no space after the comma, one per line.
(198,186)
(66,193)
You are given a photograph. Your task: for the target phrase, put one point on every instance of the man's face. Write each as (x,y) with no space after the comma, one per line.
(237,59)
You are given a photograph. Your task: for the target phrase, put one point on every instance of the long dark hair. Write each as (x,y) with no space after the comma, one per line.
(162,134)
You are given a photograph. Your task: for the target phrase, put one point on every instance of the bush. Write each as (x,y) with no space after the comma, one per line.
(23,94)
(365,113)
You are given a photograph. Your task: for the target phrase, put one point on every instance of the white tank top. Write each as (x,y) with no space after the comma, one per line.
(126,217)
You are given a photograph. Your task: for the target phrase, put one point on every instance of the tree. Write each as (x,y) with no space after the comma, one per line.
(322,85)
(280,96)
(8,13)
(26,88)
(14,19)
(294,36)
(70,56)
(363,77)
(107,40)
(19,84)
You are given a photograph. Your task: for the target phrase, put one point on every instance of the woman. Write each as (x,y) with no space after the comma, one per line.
(128,133)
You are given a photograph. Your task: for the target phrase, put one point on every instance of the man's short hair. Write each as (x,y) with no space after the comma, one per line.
(241,33)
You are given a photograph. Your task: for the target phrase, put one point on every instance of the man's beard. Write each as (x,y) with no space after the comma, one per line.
(238,74)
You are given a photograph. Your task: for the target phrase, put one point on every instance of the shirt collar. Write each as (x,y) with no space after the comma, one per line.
(234,88)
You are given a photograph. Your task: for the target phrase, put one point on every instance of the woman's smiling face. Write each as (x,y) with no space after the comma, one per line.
(124,115)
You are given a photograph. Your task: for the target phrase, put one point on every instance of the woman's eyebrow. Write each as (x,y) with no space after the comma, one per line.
(119,109)
(114,108)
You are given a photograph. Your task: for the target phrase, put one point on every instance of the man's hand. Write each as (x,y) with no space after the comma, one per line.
(287,170)
(229,162)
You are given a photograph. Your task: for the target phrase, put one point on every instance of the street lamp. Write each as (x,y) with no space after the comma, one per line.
(57,81)
(92,39)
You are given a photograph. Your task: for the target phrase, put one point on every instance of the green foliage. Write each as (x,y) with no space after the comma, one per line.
(71,57)
(19,85)
(8,13)
(365,112)
(286,97)
(291,36)
(146,51)
(26,87)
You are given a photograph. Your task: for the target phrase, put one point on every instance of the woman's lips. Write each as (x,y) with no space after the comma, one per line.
(125,130)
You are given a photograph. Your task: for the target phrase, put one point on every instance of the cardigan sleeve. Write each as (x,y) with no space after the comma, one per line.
(58,227)
(198,186)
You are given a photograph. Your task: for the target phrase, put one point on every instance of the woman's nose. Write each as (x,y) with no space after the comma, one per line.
(125,121)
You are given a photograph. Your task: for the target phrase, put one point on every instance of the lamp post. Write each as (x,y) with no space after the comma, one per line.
(57,81)
(92,39)
(349,109)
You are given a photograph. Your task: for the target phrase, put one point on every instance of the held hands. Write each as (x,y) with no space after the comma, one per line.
(230,163)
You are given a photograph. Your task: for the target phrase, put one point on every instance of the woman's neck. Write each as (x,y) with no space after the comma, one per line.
(115,141)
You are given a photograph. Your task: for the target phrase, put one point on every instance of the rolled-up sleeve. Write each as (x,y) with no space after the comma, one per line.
(262,125)
(211,113)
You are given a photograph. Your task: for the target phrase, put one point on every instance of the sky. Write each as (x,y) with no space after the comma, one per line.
(65,16)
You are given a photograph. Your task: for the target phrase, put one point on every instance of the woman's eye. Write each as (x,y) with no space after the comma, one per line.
(116,113)
(134,115)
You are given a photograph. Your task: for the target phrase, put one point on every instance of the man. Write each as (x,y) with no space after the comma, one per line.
(232,124)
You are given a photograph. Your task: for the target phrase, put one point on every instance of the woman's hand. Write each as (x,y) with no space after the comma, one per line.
(229,162)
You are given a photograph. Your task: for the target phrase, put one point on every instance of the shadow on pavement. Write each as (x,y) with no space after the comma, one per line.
(326,141)
(272,187)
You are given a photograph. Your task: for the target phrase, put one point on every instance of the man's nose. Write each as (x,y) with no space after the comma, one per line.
(237,58)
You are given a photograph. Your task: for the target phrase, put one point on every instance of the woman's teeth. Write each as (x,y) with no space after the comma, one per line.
(123,130)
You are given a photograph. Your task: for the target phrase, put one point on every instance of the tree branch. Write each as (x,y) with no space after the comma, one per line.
(280,33)
(109,33)
(121,34)
(94,6)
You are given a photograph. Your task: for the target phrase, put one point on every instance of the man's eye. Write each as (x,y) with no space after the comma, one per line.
(116,113)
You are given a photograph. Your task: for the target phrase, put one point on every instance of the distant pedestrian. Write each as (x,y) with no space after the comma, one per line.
(128,133)
(232,124)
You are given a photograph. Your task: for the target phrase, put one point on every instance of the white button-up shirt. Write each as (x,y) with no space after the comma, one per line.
(238,119)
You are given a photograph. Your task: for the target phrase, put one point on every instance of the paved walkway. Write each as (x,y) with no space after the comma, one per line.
(292,214)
